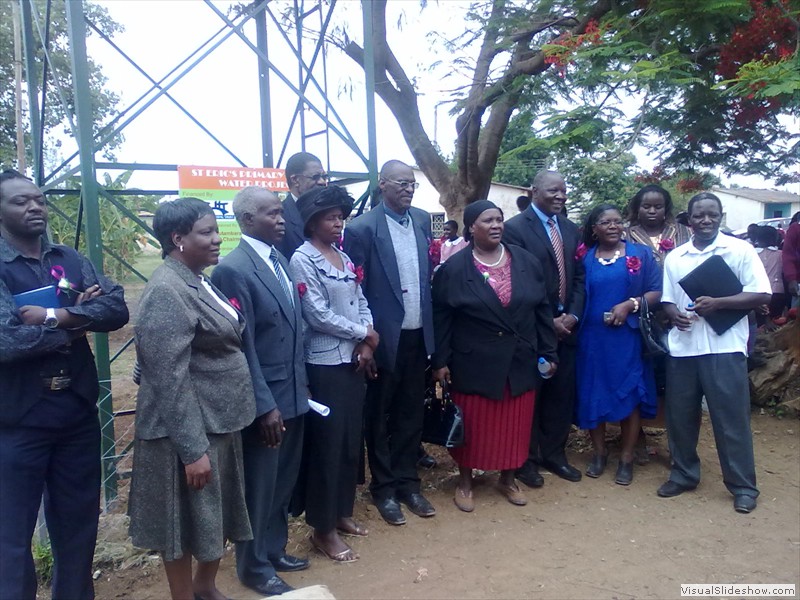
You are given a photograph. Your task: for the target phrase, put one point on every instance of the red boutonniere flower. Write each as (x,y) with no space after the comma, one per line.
(302,288)
(235,304)
(666,245)
(357,271)
(581,251)
(634,264)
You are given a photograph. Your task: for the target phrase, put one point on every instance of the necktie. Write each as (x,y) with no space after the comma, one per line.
(404,221)
(558,248)
(273,256)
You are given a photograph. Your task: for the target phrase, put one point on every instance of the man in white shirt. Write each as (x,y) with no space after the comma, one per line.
(705,363)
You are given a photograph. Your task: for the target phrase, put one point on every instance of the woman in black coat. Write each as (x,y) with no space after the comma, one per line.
(492,322)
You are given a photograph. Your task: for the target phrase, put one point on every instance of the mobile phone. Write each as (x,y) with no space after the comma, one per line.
(607,316)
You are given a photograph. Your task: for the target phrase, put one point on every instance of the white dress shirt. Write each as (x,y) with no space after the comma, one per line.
(701,339)
(264,251)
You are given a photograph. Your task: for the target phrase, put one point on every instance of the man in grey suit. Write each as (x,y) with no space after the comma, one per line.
(255,276)
(390,243)
(304,172)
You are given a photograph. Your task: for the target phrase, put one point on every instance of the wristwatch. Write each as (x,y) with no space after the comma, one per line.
(50,319)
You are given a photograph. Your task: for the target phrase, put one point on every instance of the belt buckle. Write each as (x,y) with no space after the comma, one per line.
(59,383)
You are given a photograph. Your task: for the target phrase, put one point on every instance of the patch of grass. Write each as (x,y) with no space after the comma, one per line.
(43,560)
(145,263)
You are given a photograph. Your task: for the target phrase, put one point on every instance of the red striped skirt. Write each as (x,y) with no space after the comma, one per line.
(497,434)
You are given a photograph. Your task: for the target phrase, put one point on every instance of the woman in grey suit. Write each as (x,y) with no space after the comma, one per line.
(339,343)
(195,395)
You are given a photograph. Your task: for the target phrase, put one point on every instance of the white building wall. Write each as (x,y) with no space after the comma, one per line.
(739,212)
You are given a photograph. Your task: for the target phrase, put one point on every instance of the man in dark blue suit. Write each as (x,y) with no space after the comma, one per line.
(552,238)
(303,172)
(255,276)
(390,243)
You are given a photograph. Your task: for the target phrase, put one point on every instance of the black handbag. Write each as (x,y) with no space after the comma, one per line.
(443,423)
(654,338)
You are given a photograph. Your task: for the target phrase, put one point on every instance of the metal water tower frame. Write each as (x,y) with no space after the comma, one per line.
(270,30)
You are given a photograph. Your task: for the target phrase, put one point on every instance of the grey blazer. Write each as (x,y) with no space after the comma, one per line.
(334,307)
(194,376)
(273,338)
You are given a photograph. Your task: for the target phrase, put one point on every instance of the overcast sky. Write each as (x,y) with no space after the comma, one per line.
(222,90)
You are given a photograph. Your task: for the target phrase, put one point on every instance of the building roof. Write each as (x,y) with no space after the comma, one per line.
(763,196)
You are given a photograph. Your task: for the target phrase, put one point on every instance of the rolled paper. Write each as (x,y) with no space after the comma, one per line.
(318,408)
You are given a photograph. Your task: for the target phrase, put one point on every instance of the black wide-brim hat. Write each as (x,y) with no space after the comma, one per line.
(321,199)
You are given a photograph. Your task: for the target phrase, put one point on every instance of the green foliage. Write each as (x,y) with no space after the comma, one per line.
(104,100)
(592,181)
(43,561)
(121,234)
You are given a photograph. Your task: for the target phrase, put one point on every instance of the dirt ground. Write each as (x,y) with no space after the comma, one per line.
(592,539)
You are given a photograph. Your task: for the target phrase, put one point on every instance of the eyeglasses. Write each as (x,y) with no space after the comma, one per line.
(317,177)
(404,185)
(617,222)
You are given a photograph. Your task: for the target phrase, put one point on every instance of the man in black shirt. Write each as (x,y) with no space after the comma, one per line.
(49,431)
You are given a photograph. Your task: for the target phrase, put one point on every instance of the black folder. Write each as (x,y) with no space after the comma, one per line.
(714,278)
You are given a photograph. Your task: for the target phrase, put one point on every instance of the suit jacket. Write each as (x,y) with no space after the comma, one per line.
(369,244)
(485,344)
(194,378)
(527,230)
(294,237)
(273,337)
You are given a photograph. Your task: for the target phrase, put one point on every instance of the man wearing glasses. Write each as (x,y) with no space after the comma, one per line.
(390,243)
(303,172)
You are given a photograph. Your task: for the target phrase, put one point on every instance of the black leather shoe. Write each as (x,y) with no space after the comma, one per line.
(564,471)
(417,504)
(744,504)
(528,474)
(624,473)
(288,563)
(597,466)
(390,511)
(426,461)
(670,489)
(273,586)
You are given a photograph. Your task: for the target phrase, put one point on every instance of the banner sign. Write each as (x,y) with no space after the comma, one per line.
(219,185)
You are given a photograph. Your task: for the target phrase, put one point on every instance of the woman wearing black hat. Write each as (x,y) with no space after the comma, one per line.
(492,322)
(339,343)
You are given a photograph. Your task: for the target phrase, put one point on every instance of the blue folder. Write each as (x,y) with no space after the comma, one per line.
(45,297)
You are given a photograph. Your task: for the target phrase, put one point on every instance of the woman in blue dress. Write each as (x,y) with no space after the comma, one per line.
(615,383)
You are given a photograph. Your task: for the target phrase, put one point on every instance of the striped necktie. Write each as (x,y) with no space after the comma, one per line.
(273,256)
(558,248)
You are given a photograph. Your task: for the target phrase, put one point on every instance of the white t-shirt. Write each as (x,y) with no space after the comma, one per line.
(741,257)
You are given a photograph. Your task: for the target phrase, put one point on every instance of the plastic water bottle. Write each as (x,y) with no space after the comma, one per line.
(544,368)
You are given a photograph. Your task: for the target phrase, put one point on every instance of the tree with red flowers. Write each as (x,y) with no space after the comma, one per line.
(683,64)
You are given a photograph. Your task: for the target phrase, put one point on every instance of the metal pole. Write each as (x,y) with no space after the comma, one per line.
(15,21)
(76,28)
(369,71)
(29,47)
(267,158)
